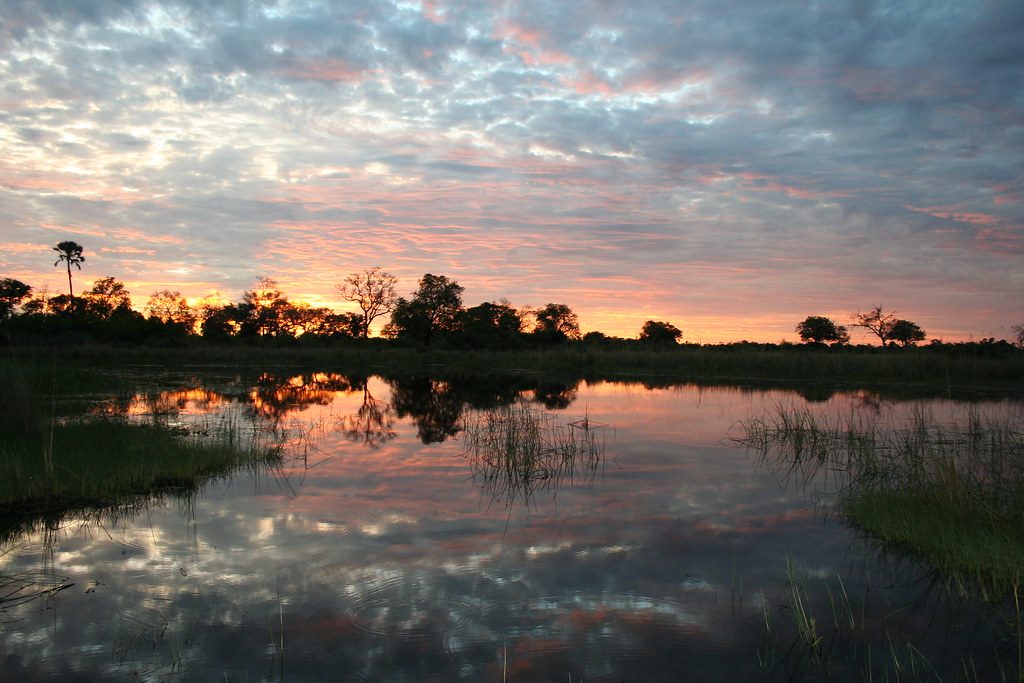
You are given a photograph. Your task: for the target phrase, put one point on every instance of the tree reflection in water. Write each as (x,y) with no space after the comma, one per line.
(373,424)
(434,406)
(272,397)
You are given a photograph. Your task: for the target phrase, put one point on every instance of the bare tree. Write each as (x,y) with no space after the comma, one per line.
(879,323)
(373,290)
(1018,335)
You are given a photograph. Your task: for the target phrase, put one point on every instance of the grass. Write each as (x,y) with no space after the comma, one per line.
(867,636)
(51,465)
(101,461)
(518,450)
(945,371)
(949,491)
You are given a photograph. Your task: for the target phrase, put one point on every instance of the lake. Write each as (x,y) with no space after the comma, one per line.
(384,550)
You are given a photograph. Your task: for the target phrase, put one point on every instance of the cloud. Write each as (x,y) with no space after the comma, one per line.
(795,143)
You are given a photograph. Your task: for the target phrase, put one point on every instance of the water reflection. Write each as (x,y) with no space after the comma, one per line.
(373,423)
(385,562)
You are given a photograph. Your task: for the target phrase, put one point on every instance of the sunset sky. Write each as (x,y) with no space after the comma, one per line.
(728,166)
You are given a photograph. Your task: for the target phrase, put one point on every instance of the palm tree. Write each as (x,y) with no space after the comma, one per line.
(70,252)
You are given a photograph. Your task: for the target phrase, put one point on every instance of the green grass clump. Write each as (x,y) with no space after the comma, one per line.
(964,541)
(52,464)
(950,491)
(102,461)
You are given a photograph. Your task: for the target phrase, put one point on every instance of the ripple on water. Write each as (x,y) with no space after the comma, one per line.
(405,610)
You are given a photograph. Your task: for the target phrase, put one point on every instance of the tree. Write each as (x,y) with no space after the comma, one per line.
(556,322)
(262,309)
(817,329)
(107,296)
(373,290)
(347,325)
(12,293)
(71,253)
(172,308)
(1018,335)
(490,325)
(657,332)
(906,332)
(221,321)
(433,308)
(877,322)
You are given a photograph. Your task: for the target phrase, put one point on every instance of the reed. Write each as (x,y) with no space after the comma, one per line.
(951,491)
(517,450)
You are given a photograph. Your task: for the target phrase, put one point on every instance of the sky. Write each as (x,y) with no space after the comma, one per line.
(727,166)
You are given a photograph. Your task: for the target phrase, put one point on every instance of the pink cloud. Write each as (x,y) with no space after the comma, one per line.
(326,70)
(758,182)
(67,184)
(589,83)
(953,213)
(530,44)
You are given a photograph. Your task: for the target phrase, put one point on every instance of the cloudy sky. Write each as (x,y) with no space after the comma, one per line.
(728,166)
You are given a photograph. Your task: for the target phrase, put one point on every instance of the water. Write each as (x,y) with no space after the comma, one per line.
(376,555)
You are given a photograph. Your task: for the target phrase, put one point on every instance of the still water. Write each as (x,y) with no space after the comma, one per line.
(379,553)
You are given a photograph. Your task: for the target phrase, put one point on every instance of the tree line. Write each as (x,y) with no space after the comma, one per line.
(432,315)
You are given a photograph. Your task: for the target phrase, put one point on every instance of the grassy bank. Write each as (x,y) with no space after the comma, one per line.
(52,464)
(944,371)
(949,491)
(102,461)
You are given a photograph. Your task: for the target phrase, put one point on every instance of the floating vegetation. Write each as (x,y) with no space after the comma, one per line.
(518,450)
(949,490)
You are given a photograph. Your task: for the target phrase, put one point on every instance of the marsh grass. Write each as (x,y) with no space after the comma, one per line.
(951,491)
(518,450)
(51,463)
(100,461)
(944,371)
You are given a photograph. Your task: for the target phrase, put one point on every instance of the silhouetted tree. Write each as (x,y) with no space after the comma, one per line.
(373,290)
(12,293)
(172,308)
(434,308)
(490,325)
(906,332)
(106,296)
(346,325)
(657,332)
(1018,335)
(877,322)
(262,309)
(817,329)
(71,253)
(556,322)
(221,322)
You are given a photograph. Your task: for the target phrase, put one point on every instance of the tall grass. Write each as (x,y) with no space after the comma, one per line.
(51,463)
(946,370)
(517,450)
(950,490)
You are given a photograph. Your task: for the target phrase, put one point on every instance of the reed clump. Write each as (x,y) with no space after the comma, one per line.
(949,490)
(517,450)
